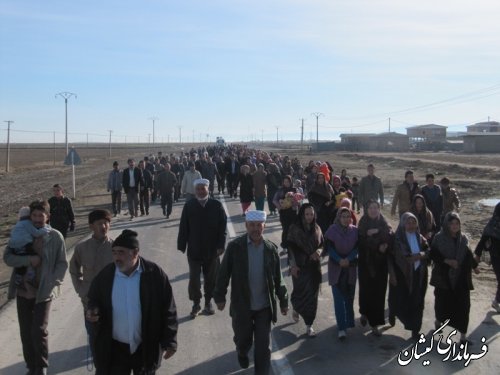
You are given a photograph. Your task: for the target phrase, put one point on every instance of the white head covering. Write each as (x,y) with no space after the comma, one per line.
(256,216)
(24,212)
(201,181)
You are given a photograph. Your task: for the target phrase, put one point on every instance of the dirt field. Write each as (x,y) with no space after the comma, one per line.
(33,173)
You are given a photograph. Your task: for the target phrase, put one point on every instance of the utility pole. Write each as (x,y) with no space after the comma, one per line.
(302,134)
(110,131)
(277,135)
(66,96)
(87,140)
(7,163)
(262,135)
(153,118)
(193,135)
(54,138)
(389,124)
(180,134)
(317,114)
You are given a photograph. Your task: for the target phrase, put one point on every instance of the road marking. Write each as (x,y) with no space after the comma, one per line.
(279,362)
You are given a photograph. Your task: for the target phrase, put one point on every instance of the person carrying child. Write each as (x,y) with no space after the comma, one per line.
(21,242)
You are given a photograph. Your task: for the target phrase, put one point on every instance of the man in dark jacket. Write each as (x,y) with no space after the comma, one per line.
(145,188)
(253,265)
(177,168)
(203,231)
(165,184)
(132,179)
(371,187)
(115,179)
(62,216)
(233,172)
(132,308)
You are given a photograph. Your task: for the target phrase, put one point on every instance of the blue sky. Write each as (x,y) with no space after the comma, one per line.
(239,69)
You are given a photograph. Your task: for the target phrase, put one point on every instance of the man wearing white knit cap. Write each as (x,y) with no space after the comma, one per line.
(253,264)
(202,231)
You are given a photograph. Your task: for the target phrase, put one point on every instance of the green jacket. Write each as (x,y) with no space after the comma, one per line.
(234,266)
(53,266)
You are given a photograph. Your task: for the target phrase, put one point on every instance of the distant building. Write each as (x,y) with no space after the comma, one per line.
(427,133)
(482,142)
(484,127)
(392,141)
(375,142)
(357,141)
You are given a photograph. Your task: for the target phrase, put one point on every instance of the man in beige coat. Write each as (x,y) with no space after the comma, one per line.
(91,256)
(404,194)
(34,298)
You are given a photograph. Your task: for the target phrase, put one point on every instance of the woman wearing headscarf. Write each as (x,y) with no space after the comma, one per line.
(408,274)
(341,243)
(304,242)
(452,274)
(320,195)
(246,188)
(426,222)
(287,213)
(375,242)
(490,241)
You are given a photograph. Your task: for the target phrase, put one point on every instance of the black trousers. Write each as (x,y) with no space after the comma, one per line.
(166,202)
(33,321)
(116,201)
(254,328)
(133,201)
(144,196)
(123,363)
(221,183)
(209,269)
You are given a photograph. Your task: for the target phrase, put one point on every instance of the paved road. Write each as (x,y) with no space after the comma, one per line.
(205,344)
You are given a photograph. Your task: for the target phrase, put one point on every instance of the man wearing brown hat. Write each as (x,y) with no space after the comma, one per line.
(91,256)
(133,310)
(253,265)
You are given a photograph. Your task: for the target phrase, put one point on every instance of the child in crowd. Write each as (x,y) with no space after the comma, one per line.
(21,241)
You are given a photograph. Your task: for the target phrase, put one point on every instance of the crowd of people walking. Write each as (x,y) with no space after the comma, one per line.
(129,309)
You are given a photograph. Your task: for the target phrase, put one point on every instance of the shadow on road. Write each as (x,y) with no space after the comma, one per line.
(62,361)
(223,364)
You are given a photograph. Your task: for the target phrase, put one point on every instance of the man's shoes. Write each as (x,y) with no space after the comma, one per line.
(147,213)
(209,309)
(376,332)
(243,361)
(363,320)
(495,305)
(295,316)
(342,335)
(415,335)
(392,320)
(311,332)
(168,216)
(39,371)
(196,310)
